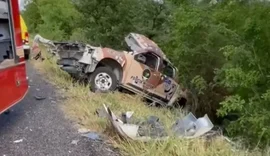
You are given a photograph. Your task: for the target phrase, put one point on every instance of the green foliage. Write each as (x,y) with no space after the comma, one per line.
(53,19)
(58,18)
(245,72)
(194,46)
(222,55)
(107,22)
(32,16)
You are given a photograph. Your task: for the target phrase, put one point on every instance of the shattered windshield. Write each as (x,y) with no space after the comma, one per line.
(168,70)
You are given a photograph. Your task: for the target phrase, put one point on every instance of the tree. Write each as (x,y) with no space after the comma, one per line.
(59,18)
(32,15)
(195,40)
(52,19)
(107,22)
(246,71)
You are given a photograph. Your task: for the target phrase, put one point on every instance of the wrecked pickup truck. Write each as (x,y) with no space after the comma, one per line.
(142,69)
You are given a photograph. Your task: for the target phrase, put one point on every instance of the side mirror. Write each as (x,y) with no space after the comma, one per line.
(140,58)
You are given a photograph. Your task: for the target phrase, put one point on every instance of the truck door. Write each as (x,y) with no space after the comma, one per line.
(143,74)
(168,85)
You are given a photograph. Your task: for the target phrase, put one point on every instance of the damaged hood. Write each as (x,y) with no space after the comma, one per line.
(141,43)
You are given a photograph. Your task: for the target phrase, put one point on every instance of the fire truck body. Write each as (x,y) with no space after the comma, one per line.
(13,77)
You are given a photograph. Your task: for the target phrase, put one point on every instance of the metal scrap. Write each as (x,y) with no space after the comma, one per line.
(192,127)
(152,128)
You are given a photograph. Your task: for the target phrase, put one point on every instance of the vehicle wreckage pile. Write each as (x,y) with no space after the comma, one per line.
(152,128)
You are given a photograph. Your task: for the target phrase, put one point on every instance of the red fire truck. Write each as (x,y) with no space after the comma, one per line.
(13,77)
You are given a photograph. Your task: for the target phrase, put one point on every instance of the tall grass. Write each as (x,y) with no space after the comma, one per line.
(81,105)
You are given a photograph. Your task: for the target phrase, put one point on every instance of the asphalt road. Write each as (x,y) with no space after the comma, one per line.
(43,128)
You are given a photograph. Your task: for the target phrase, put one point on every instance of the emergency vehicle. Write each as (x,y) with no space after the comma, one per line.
(13,76)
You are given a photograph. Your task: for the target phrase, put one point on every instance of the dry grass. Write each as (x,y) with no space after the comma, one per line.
(81,105)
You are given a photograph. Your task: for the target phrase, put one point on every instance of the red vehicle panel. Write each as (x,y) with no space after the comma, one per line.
(13,77)
(16,22)
(13,86)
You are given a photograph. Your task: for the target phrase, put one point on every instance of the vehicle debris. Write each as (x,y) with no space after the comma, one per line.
(38,97)
(83,130)
(92,136)
(192,127)
(75,142)
(152,128)
(106,69)
(126,117)
(18,141)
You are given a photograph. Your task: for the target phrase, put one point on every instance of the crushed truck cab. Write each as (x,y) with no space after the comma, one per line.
(142,69)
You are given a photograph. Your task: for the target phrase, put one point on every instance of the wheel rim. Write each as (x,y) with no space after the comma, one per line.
(103,81)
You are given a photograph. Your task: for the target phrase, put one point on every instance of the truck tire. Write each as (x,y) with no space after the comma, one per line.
(103,80)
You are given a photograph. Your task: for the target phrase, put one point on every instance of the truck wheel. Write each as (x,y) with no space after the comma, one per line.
(103,79)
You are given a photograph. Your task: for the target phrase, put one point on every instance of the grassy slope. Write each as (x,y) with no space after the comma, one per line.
(81,105)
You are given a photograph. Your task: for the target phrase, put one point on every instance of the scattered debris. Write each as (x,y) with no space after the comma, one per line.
(92,136)
(75,142)
(18,141)
(126,117)
(83,130)
(38,97)
(152,128)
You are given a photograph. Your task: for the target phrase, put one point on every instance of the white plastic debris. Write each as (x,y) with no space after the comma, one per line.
(18,141)
(75,142)
(126,130)
(83,130)
(129,114)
